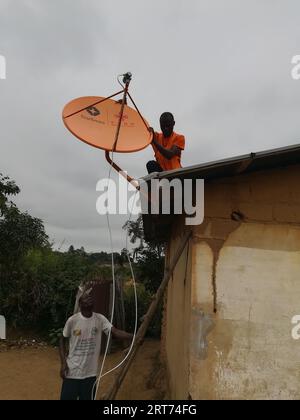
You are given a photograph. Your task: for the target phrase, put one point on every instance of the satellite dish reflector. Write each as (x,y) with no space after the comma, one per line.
(94,120)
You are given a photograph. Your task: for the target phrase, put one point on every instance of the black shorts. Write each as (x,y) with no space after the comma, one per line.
(153,166)
(78,389)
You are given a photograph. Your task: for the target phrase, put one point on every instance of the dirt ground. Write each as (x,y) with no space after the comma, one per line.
(33,374)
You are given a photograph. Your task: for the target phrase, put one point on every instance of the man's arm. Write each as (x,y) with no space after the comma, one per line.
(63,353)
(167,153)
(123,335)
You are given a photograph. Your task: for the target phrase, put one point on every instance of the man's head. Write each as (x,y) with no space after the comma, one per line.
(86,303)
(167,123)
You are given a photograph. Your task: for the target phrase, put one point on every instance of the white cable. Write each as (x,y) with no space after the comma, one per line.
(119,80)
(136,308)
(100,376)
(114,289)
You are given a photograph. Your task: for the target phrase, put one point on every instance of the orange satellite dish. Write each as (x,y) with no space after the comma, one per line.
(109,125)
(95,120)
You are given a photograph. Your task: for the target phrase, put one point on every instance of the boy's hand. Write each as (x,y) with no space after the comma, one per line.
(153,133)
(64,371)
(120,101)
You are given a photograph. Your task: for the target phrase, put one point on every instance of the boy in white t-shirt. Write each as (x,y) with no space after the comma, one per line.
(79,360)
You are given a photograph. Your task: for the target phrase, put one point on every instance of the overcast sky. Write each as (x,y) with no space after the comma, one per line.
(222,67)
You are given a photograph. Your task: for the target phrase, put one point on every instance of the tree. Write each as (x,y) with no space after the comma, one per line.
(148,256)
(7,188)
(135,230)
(19,232)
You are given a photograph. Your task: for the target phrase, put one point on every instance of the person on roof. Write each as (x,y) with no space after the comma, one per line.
(167,146)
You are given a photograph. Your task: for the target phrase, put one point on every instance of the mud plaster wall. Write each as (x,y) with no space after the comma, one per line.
(176,323)
(245,288)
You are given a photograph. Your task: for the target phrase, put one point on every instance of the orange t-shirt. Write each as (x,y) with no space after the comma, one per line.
(167,142)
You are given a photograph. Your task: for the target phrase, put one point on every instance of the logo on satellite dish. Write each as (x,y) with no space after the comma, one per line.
(92,110)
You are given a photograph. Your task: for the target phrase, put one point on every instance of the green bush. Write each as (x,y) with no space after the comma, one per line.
(38,285)
(54,336)
(144,299)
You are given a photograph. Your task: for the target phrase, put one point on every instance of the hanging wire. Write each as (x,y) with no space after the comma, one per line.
(100,376)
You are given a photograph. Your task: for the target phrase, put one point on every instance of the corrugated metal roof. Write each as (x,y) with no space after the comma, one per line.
(251,162)
(158,227)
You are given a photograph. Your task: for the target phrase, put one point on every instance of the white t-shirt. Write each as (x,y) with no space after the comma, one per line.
(84,344)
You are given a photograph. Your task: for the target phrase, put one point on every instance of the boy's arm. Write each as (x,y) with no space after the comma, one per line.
(63,353)
(123,335)
(167,153)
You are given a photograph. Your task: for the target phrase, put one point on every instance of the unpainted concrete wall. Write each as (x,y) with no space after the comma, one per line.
(177,315)
(244,290)
(246,271)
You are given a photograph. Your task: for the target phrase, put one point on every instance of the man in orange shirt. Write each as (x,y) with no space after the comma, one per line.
(167,146)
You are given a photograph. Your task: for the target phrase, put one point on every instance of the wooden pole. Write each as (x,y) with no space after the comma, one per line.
(147,320)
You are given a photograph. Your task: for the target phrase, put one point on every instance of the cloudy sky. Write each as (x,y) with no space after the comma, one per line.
(222,67)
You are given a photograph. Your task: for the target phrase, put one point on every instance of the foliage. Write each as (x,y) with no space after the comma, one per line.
(54,336)
(19,232)
(148,261)
(7,189)
(148,257)
(38,285)
(144,299)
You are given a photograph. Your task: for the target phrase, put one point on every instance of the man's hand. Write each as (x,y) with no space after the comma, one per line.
(153,134)
(120,101)
(123,335)
(125,351)
(64,370)
(167,153)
